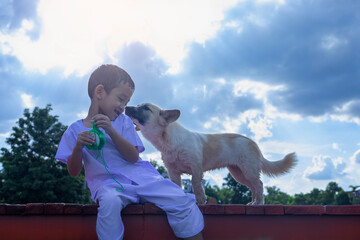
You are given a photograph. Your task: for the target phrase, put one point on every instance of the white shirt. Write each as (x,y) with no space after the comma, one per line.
(96,175)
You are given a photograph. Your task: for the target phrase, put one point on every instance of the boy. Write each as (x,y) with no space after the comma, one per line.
(110,89)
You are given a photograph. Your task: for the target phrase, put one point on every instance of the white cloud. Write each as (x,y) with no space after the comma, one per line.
(271,1)
(345,118)
(319,119)
(5,135)
(273,113)
(260,127)
(279,147)
(235,25)
(258,89)
(216,177)
(325,168)
(355,158)
(330,42)
(336,146)
(153,156)
(77,36)
(258,122)
(82,115)
(224,124)
(27,100)
(345,113)
(338,117)
(254,120)
(257,20)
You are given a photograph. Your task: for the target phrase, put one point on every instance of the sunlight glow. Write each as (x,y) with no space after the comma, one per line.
(78,35)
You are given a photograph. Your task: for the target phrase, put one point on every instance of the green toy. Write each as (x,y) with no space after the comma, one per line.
(99,138)
(98,145)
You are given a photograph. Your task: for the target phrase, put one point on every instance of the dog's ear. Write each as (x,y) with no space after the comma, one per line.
(170,115)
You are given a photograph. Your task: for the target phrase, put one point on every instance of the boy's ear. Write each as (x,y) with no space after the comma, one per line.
(99,91)
(170,115)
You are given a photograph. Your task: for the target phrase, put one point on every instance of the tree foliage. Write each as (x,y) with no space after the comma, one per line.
(30,173)
(275,196)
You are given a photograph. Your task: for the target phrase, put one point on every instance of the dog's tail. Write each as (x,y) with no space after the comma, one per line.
(280,167)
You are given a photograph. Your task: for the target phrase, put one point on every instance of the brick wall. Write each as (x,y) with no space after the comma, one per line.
(73,221)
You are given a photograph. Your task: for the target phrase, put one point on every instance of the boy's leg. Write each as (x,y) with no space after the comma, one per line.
(198,236)
(109,224)
(183,214)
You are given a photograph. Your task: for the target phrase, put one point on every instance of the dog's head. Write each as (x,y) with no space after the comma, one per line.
(148,117)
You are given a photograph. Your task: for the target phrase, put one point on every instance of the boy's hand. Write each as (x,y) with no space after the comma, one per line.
(103,122)
(85,138)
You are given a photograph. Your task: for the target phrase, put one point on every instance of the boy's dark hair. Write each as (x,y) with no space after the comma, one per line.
(110,76)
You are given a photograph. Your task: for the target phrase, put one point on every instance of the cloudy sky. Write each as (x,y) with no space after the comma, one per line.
(284,73)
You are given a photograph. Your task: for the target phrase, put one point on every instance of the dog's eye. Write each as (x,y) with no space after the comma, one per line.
(147,108)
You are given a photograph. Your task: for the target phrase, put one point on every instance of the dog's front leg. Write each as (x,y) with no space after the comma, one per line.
(174,174)
(196,181)
(175,177)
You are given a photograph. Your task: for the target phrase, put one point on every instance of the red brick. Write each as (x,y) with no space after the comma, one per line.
(214,209)
(72,209)
(54,208)
(90,209)
(255,210)
(133,209)
(15,209)
(304,210)
(343,210)
(2,209)
(34,209)
(150,208)
(274,209)
(235,209)
(212,201)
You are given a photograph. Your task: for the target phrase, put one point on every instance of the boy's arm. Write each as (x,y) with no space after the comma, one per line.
(126,149)
(74,163)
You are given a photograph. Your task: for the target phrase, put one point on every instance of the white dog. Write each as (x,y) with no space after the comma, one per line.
(193,153)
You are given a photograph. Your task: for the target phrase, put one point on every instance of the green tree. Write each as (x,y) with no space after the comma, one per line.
(315,197)
(30,173)
(241,193)
(222,195)
(300,199)
(330,192)
(275,196)
(320,197)
(159,168)
(342,198)
(212,191)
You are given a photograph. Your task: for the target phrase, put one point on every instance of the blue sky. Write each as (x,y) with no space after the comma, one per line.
(284,73)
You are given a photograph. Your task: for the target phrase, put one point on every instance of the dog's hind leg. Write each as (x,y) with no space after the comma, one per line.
(252,181)
(240,178)
(257,188)
(259,197)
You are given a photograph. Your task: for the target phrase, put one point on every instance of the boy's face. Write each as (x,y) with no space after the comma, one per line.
(114,103)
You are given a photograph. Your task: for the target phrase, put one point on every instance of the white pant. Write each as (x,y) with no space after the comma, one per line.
(182,212)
